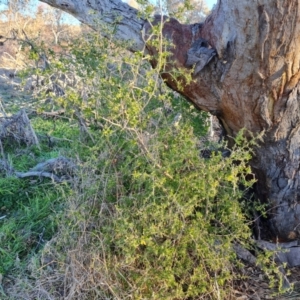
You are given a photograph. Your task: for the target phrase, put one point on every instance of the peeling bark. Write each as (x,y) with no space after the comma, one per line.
(252,82)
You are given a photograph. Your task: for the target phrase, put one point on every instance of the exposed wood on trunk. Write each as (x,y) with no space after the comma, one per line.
(252,82)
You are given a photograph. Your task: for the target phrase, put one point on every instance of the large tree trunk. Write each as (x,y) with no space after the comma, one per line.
(251,83)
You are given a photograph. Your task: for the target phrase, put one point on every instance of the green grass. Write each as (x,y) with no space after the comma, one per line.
(27,227)
(31,206)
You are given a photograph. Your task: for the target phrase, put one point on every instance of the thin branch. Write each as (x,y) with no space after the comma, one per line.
(142,145)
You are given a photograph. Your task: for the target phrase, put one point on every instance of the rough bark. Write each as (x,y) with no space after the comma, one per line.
(106,12)
(252,82)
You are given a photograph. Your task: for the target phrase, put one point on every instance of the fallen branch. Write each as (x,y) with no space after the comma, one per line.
(58,169)
(48,114)
(39,174)
(281,256)
(244,254)
(288,253)
(57,166)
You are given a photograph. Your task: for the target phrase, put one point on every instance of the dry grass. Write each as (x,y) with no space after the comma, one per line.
(74,265)
(11,57)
